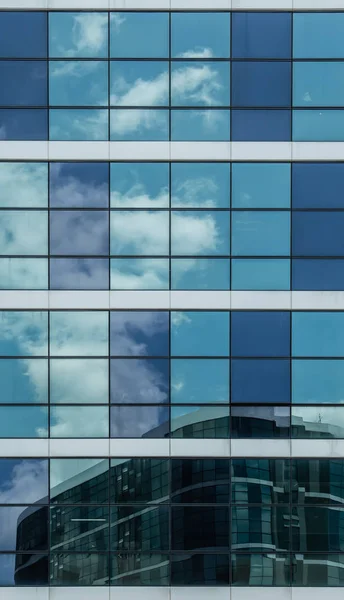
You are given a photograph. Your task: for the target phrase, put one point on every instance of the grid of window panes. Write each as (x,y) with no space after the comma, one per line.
(172,75)
(159,522)
(160,226)
(184,374)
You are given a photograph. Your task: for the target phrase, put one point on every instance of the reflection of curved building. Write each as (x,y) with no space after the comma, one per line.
(32,536)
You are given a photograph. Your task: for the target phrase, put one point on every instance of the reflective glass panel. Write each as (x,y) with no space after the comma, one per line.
(78,34)
(318,381)
(318,185)
(139,124)
(23,232)
(257,233)
(260,185)
(142,528)
(139,569)
(200,422)
(79,528)
(139,35)
(24,273)
(260,333)
(139,185)
(139,333)
(79,232)
(23,34)
(257,422)
(23,333)
(138,232)
(318,233)
(79,185)
(261,34)
(77,569)
(24,528)
(139,273)
(200,232)
(260,570)
(200,35)
(260,481)
(79,274)
(261,84)
(23,481)
(200,528)
(318,334)
(261,274)
(137,83)
(139,422)
(24,381)
(23,569)
(200,185)
(318,481)
(79,381)
(200,569)
(313,570)
(78,124)
(199,481)
(317,422)
(261,125)
(92,86)
(139,480)
(22,124)
(79,481)
(23,83)
(200,83)
(203,125)
(199,381)
(200,274)
(318,529)
(318,125)
(260,381)
(79,333)
(23,185)
(79,422)
(199,333)
(318,274)
(140,381)
(318,35)
(256,527)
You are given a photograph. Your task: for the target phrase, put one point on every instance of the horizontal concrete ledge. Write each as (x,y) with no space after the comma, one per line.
(172,151)
(188,5)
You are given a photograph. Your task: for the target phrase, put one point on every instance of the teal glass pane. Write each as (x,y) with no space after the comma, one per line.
(318,84)
(318,381)
(23,422)
(24,273)
(318,35)
(23,333)
(199,381)
(260,185)
(200,83)
(195,232)
(23,185)
(78,83)
(23,232)
(79,422)
(139,34)
(140,273)
(200,273)
(200,35)
(79,333)
(318,334)
(24,381)
(78,34)
(260,274)
(260,233)
(318,125)
(203,125)
(199,333)
(78,124)
(200,185)
(142,124)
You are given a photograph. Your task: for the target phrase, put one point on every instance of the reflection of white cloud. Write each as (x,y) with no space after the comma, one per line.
(85,421)
(23,232)
(79,273)
(68,190)
(141,93)
(194,233)
(79,232)
(116,20)
(137,421)
(125,122)
(79,333)
(23,184)
(126,327)
(74,68)
(178,318)
(137,381)
(197,192)
(79,124)
(89,34)
(197,52)
(23,273)
(79,381)
(138,197)
(145,232)
(141,274)
(196,84)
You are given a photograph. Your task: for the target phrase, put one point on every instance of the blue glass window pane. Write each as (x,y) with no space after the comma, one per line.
(200,232)
(91,78)
(200,35)
(24,381)
(318,84)
(200,125)
(79,185)
(318,35)
(78,34)
(318,126)
(257,422)
(79,333)
(79,422)
(24,273)
(200,422)
(84,232)
(139,333)
(318,334)
(137,83)
(317,381)
(139,232)
(23,333)
(200,185)
(318,185)
(260,233)
(199,381)
(23,83)
(23,34)
(200,274)
(318,422)
(24,480)
(23,422)
(139,381)
(318,233)
(260,333)
(261,35)
(261,125)
(23,185)
(260,274)
(14,228)
(260,185)
(260,381)
(200,84)
(79,274)
(139,185)
(79,381)
(261,84)
(318,274)
(78,124)
(139,124)
(200,333)
(139,421)
(23,124)
(140,273)
(139,35)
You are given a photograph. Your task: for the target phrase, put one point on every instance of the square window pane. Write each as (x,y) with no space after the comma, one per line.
(200,422)
(79,422)
(79,569)
(318,35)
(144,480)
(78,124)
(322,529)
(318,126)
(139,232)
(200,528)
(30,573)
(24,185)
(24,528)
(23,333)
(78,232)
(23,124)
(200,83)
(79,333)
(318,233)
(140,274)
(260,570)
(137,333)
(260,381)
(139,422)
(91,88)
(261,185)
(79,185)
(318,84)
(261,34)
(260,233)
(16,226)
(200,185)
(318,334)
(24,381)
(261,84)
(78,34)
(199,481)
(318,274)
(200,35)
(23,83)
(140,381)
(199,333)
(79,528)
(79,481)
(23,34)
(134,83)
(260,333)
(140,569)
(23,422)
(24,274)
(318,185)
(142,528)
(23,481)
(195,381)
(79,381)
(139,185)
(200,232)
(139,35)
(318,381)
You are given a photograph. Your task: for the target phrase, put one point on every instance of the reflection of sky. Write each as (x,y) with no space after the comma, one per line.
(23,333)
(260,185)
(319,419)
(79,232)
(137,83)
(260,333)
(79,381)
(139,185)
(200,185)
(79,333)
(139,333)
(24,273)
(79,273)
(139,35)
(318,334)
(140,232)
(200,35)
(23,421)
(78,34)
(260,233)
(140,274)
(200,333)
(200,84)
(64,469)
(23,232)
(139,421)
(79,185)
(78,83)
(199,381)
(142,124)
(24,83)
(139,381)
(24,381)
(78,124)
(79,421)
(200,125)
(315,381)
(194,232)
(23,34)
(23,124)
(200,274)
(23,185)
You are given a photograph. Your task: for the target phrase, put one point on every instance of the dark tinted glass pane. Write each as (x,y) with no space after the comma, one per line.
(256,527)
(261,381)
(140,381)
(260,481)
(318,233)
(318,529)
(260,422)
(79,481)
(23,34)
(260,569)
(24,124)
(139,480)
(200,528)
(318,185)
(260,334)
(79,274)
(141,528)
(315,570)
(23,481)
(23,529)
(139,333)
(261,35)
(79,185)
(23,83)
(261,125)
(200,480)
(79,232)
(79,529)
(318,422)
(318,274)
(261,84)
(200,569)
(79,569)
(200,422)
(23,569)
(318,481)
(140,569)
(139,422)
